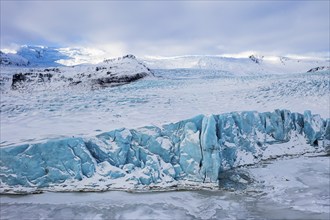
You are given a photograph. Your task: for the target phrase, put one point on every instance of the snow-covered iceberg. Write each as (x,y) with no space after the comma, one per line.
(196,150)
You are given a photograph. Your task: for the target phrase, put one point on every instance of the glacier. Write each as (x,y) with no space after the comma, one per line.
(197,150)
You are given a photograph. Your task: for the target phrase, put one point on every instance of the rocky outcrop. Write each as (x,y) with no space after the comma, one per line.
(256,59)
(319,68)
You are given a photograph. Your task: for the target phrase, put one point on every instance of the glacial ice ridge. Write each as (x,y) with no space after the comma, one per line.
(196,150)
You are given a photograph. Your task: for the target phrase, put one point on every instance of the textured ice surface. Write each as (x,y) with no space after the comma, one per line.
(171,96)
(198,150)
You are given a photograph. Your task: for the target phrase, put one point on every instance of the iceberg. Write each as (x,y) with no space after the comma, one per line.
(196,150)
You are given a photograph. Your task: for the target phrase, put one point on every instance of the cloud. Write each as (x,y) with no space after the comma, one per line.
(169,28)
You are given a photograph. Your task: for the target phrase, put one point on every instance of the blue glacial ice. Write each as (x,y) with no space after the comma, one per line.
(196,150)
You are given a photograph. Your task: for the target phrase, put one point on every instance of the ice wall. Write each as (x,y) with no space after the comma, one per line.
(197,149)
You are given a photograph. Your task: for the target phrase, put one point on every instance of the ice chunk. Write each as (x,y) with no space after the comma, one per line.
(211,150)
(313,127)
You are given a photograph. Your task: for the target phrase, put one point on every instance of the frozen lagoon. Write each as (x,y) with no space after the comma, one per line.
(285,188)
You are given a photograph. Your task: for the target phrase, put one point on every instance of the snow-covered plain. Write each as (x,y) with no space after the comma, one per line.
(172,95)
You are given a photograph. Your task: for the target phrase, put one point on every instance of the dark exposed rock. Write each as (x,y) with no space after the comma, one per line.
(255,59)
(100,68)
(75,83)
(19,79)
(57,70)
(112,81)
(130,56)
(319,68)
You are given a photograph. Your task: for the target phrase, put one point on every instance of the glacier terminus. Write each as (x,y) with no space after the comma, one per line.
(196,150)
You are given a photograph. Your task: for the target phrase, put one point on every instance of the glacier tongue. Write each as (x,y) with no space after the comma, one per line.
(198,149)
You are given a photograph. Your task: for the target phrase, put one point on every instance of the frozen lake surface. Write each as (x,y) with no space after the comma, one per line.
(285,188)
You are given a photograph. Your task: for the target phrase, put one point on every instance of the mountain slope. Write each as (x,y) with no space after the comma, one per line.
(10,59)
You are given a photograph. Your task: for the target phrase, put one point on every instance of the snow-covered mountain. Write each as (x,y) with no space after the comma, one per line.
(254,64)
(11,59)
(41,56)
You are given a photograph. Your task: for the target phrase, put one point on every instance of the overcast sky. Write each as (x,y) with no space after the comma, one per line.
(170,28)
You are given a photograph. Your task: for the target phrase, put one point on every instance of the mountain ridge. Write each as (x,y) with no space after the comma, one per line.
(253,64)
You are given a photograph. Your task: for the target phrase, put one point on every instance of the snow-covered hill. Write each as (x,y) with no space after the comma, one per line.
(250,65)
(108,73)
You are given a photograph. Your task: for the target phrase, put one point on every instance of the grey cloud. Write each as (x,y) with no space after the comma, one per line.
(170,28)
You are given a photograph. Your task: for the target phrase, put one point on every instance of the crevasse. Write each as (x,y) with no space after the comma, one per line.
(198,149)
